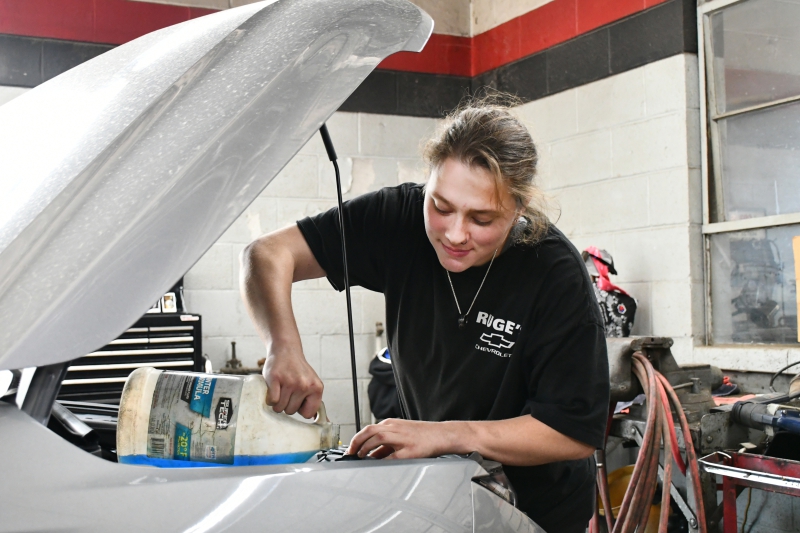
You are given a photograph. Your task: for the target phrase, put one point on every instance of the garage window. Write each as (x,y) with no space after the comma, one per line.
(751,53)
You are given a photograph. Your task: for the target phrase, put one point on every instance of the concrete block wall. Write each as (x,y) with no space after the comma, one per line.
(621,158)
(374,151)
(9,93)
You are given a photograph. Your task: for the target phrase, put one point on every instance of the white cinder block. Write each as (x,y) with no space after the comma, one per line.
(654,144)
(292,210)
(642,321)
(669,197)
(698,310)
(236,264)
(696,252)
(373,308)
(9,93)
(695,196)
(238,231)
(218,350)
(672,308)
(311,351)
(692,81)
(310,284)
(346,433)
(249,349)
(259,218)
(372,174)
(343,128)
(655,254)
(363,400)
(335,355)
(666,85)
(394,136)
(324,312)
(213,271)
(487,14)
(692,118)
(793,354)
(452,18)
(580,160)
(565,210)
(338,398)
(604,241)
(411,170)
(550,118)
(327,177)
(543,173)
(683,350)
(761,359)
(614,204)
(298,179)
(314,146)
(611,101)
(223,313)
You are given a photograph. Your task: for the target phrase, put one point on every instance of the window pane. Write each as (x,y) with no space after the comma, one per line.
(761,162)
(753,289)
(755,53)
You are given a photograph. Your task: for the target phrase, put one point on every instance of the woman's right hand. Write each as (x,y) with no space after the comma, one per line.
(294,386)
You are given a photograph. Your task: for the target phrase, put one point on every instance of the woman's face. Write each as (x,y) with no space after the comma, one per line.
(464,220)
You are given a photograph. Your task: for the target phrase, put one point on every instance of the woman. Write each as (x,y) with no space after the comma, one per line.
(496,338)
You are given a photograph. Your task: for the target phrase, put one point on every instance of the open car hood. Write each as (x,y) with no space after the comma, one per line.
(118,175)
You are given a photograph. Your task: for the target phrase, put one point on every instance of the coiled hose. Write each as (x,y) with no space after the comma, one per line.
(659,431)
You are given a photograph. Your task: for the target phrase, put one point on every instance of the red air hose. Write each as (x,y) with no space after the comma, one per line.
(676,452)
(659,430)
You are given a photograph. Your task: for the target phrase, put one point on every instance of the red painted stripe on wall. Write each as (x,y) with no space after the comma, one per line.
(119,21)
(551,24)
(547,26)
(595,13)
(444,54)
(94,21)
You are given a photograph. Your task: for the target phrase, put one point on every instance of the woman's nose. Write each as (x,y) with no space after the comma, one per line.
(457,232)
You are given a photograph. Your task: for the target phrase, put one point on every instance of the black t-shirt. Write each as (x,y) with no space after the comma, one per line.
(534,342)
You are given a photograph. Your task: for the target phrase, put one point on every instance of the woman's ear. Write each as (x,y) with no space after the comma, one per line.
(521,207)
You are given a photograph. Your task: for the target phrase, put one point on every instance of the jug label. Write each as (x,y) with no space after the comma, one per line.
(193,417)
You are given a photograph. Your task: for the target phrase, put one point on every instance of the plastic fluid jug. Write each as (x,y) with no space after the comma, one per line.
(185,419)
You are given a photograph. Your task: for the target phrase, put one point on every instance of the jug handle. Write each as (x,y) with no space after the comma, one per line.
(322,415)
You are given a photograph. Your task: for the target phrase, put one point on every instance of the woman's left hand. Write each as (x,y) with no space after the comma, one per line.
(401,439)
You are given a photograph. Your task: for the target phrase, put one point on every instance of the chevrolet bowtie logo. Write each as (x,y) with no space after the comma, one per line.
(495,340)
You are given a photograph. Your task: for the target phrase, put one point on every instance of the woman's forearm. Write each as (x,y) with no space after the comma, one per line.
(521,441)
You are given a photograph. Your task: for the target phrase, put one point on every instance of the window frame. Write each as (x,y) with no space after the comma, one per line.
(711,169)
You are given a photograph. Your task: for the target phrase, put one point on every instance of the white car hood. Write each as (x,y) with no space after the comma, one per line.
(118,175)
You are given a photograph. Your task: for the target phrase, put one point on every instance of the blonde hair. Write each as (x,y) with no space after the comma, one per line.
(482,132)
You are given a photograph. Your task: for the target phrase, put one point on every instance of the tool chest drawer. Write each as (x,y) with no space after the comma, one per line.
(165,341)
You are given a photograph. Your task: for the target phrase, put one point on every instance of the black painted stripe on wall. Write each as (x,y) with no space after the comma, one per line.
(663,31)
(29,61)
(660,32)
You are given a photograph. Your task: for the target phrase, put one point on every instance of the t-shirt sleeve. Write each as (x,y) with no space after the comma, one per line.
(371,223)
(568,388)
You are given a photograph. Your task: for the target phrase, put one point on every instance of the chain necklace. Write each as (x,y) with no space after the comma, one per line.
(462,319)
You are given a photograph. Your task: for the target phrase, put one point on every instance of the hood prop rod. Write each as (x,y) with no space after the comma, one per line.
(326,139)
